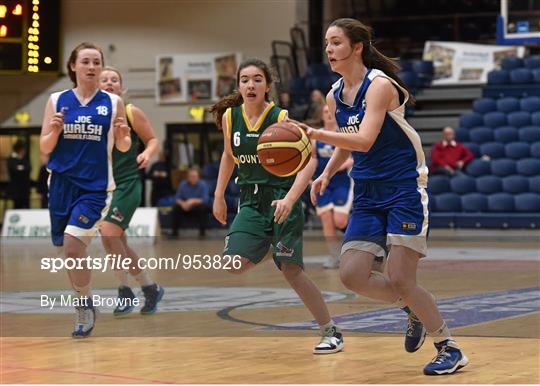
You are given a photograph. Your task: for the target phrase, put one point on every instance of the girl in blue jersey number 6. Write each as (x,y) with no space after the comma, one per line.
(390,206)
(80,128)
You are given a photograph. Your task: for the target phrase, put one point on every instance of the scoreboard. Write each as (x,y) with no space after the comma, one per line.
(30,36)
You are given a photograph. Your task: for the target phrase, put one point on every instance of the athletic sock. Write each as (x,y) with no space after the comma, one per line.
(144,279)
(441,334)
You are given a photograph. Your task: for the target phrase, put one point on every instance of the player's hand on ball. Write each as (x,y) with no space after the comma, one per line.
(283,209)
(143,159)
(318,186)
(220,210)
(308,129)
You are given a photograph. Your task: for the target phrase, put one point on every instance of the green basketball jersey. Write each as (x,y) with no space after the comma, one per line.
(125,165)
(244,138)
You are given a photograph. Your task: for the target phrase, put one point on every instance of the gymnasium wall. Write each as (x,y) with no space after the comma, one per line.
(133,32)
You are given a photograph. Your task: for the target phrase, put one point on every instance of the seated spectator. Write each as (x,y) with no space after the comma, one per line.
(192,202)
(449,156)
(314,111)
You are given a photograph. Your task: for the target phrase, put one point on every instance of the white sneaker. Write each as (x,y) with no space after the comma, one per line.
(331,341)
(86,317)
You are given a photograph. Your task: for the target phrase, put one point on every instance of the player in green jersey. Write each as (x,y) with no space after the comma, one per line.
(270,210)
(126,199)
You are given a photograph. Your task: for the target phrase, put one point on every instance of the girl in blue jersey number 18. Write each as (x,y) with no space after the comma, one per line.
(390,206)
(80,128)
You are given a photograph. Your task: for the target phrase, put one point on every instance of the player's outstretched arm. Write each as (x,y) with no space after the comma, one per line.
(52,126)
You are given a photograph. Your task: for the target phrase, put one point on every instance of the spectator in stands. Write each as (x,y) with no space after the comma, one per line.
(161,179)
(449,156)
(192,202)
(314,112)
(285,101)
(19,176)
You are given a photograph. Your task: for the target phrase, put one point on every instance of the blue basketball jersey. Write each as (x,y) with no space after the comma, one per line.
(324,153)
(83,153)
(397,155)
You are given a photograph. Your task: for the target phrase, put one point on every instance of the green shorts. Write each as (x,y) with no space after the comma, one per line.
(126,199)
(253,230)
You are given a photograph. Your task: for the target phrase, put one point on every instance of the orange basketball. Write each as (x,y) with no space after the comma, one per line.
(284,149)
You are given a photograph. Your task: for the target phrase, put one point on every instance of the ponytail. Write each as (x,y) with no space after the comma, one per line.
(217,110)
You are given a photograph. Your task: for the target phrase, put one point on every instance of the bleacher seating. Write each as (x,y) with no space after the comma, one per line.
(501,185)
(516,78)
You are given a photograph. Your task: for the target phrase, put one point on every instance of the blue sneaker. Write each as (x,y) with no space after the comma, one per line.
(152,294)
(449,359)
(126,295)
(86,317)
(416,332)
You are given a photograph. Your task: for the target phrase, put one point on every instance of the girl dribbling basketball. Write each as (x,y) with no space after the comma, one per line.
(270,210)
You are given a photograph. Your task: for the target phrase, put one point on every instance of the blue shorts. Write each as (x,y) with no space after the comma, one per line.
(75,211)
(384,215)
(337,198)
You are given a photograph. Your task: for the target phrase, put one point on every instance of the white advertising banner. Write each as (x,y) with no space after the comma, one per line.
(464,63)
(23,223)
(195,78)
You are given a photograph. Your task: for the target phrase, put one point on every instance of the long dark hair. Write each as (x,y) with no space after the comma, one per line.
(357,32)
(75,54)
(235,99)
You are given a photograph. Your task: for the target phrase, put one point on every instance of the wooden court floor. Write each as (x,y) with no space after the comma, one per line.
(197,338)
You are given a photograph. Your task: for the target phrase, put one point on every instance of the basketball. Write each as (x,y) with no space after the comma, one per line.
(284,149)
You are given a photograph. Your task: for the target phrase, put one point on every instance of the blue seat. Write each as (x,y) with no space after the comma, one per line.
(474,147)
(503,167)
(210,171)
(511,62)
(527,202)
(505,134)
(498,77)
(471,120)
(535,150)
(474,202)
(319,82)
(495,119)
(492,149)
(488,184)
(529,134)
(448,202)
(423,67)
(478,167)
(410,79)
(535,118)
(528,166)
(530,104)
(501,202)
(463,184)
(517,150)
(484,105)
(438,184)
(462,134)
(519,119)
(521,76)
(536,75)
(508,104)
(532,61)
(481,135)
(515,184)
(534,184)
